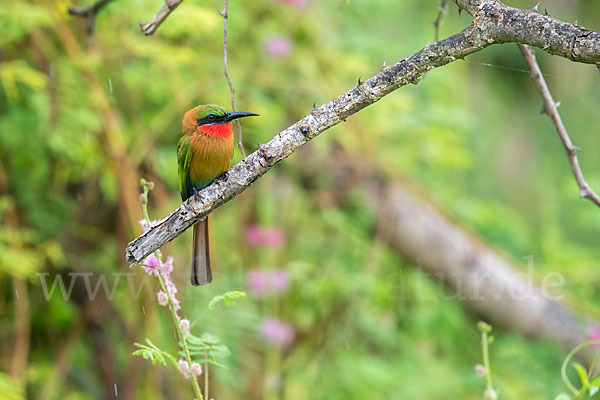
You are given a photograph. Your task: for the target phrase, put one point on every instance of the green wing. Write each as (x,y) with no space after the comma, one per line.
(184,157)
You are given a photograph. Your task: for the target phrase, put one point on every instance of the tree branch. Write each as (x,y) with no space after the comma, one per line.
(151,26)
(89,13)
(488,283)
(494,23)
(550,108)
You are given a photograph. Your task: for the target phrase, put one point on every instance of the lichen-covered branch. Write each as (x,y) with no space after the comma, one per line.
(503,24)
(151,26)
(493,23)
(551,108)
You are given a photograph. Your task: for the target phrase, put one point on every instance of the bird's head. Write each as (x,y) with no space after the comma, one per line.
(211,119)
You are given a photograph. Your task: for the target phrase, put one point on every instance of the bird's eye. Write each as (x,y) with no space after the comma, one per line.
(211,117)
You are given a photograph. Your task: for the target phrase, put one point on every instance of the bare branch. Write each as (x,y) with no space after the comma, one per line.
(151,26)
(443,10)
(89,13)
(494,23)
(225,15)
(550,108)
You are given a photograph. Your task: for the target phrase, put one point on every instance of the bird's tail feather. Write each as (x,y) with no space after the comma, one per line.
(201,273)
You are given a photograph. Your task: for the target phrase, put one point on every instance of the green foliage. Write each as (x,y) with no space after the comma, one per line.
(589,378)
(227,298)
(207,347)
(151,352)
(10,389)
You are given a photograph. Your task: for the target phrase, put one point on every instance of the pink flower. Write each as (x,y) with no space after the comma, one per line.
(184,325)
(272,237)
(150,265)
(184,368)
(176,303)
(480,370)
(196,369)
(594,335)
(263,282)
(253,235)
(278,46)
(269,237)
(144,224)
(280,280)
(163,300)
(167,267)
(257,281)
(295,3)
(277,332)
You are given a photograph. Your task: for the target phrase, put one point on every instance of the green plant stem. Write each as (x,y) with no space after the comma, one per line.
(163,286)
(486,357)
(563,370)
(206,373)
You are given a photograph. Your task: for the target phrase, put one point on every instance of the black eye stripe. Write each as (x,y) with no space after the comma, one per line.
(210,119)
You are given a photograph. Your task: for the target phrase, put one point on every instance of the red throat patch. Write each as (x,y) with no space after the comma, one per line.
(218,130)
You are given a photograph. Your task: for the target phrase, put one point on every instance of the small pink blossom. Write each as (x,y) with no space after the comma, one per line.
(144,224)
(278,46)
(295,3)
(594,335)
(269,237)
(167,267)
(272,237)
(163,299)
(257,281)
(490,394)
(480,370)
(263,282)
(176,303)
(184,325)
(196,369)
(280,280)
(184,368)
(151,264)
(277,332)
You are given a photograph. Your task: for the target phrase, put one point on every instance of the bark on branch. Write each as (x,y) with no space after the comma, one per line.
(151,26)
(493,23)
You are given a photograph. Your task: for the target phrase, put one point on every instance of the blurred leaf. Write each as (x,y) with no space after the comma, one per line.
(582,373)
(227,298)
(208,345)
(10,389)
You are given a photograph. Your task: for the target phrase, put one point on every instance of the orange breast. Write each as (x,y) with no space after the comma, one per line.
(211,156)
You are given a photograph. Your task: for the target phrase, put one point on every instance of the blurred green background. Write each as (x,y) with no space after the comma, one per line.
(83,117)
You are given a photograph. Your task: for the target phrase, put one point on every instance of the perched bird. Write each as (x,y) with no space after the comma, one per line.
(203,153)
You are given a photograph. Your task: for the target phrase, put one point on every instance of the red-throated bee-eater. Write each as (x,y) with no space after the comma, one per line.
(204,152)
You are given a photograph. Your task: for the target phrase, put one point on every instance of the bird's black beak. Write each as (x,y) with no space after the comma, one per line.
(238,114)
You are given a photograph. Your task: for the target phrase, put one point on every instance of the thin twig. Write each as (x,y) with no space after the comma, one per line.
(89,13)
(443,9)
(225,15)
(550,108)
(151,26)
